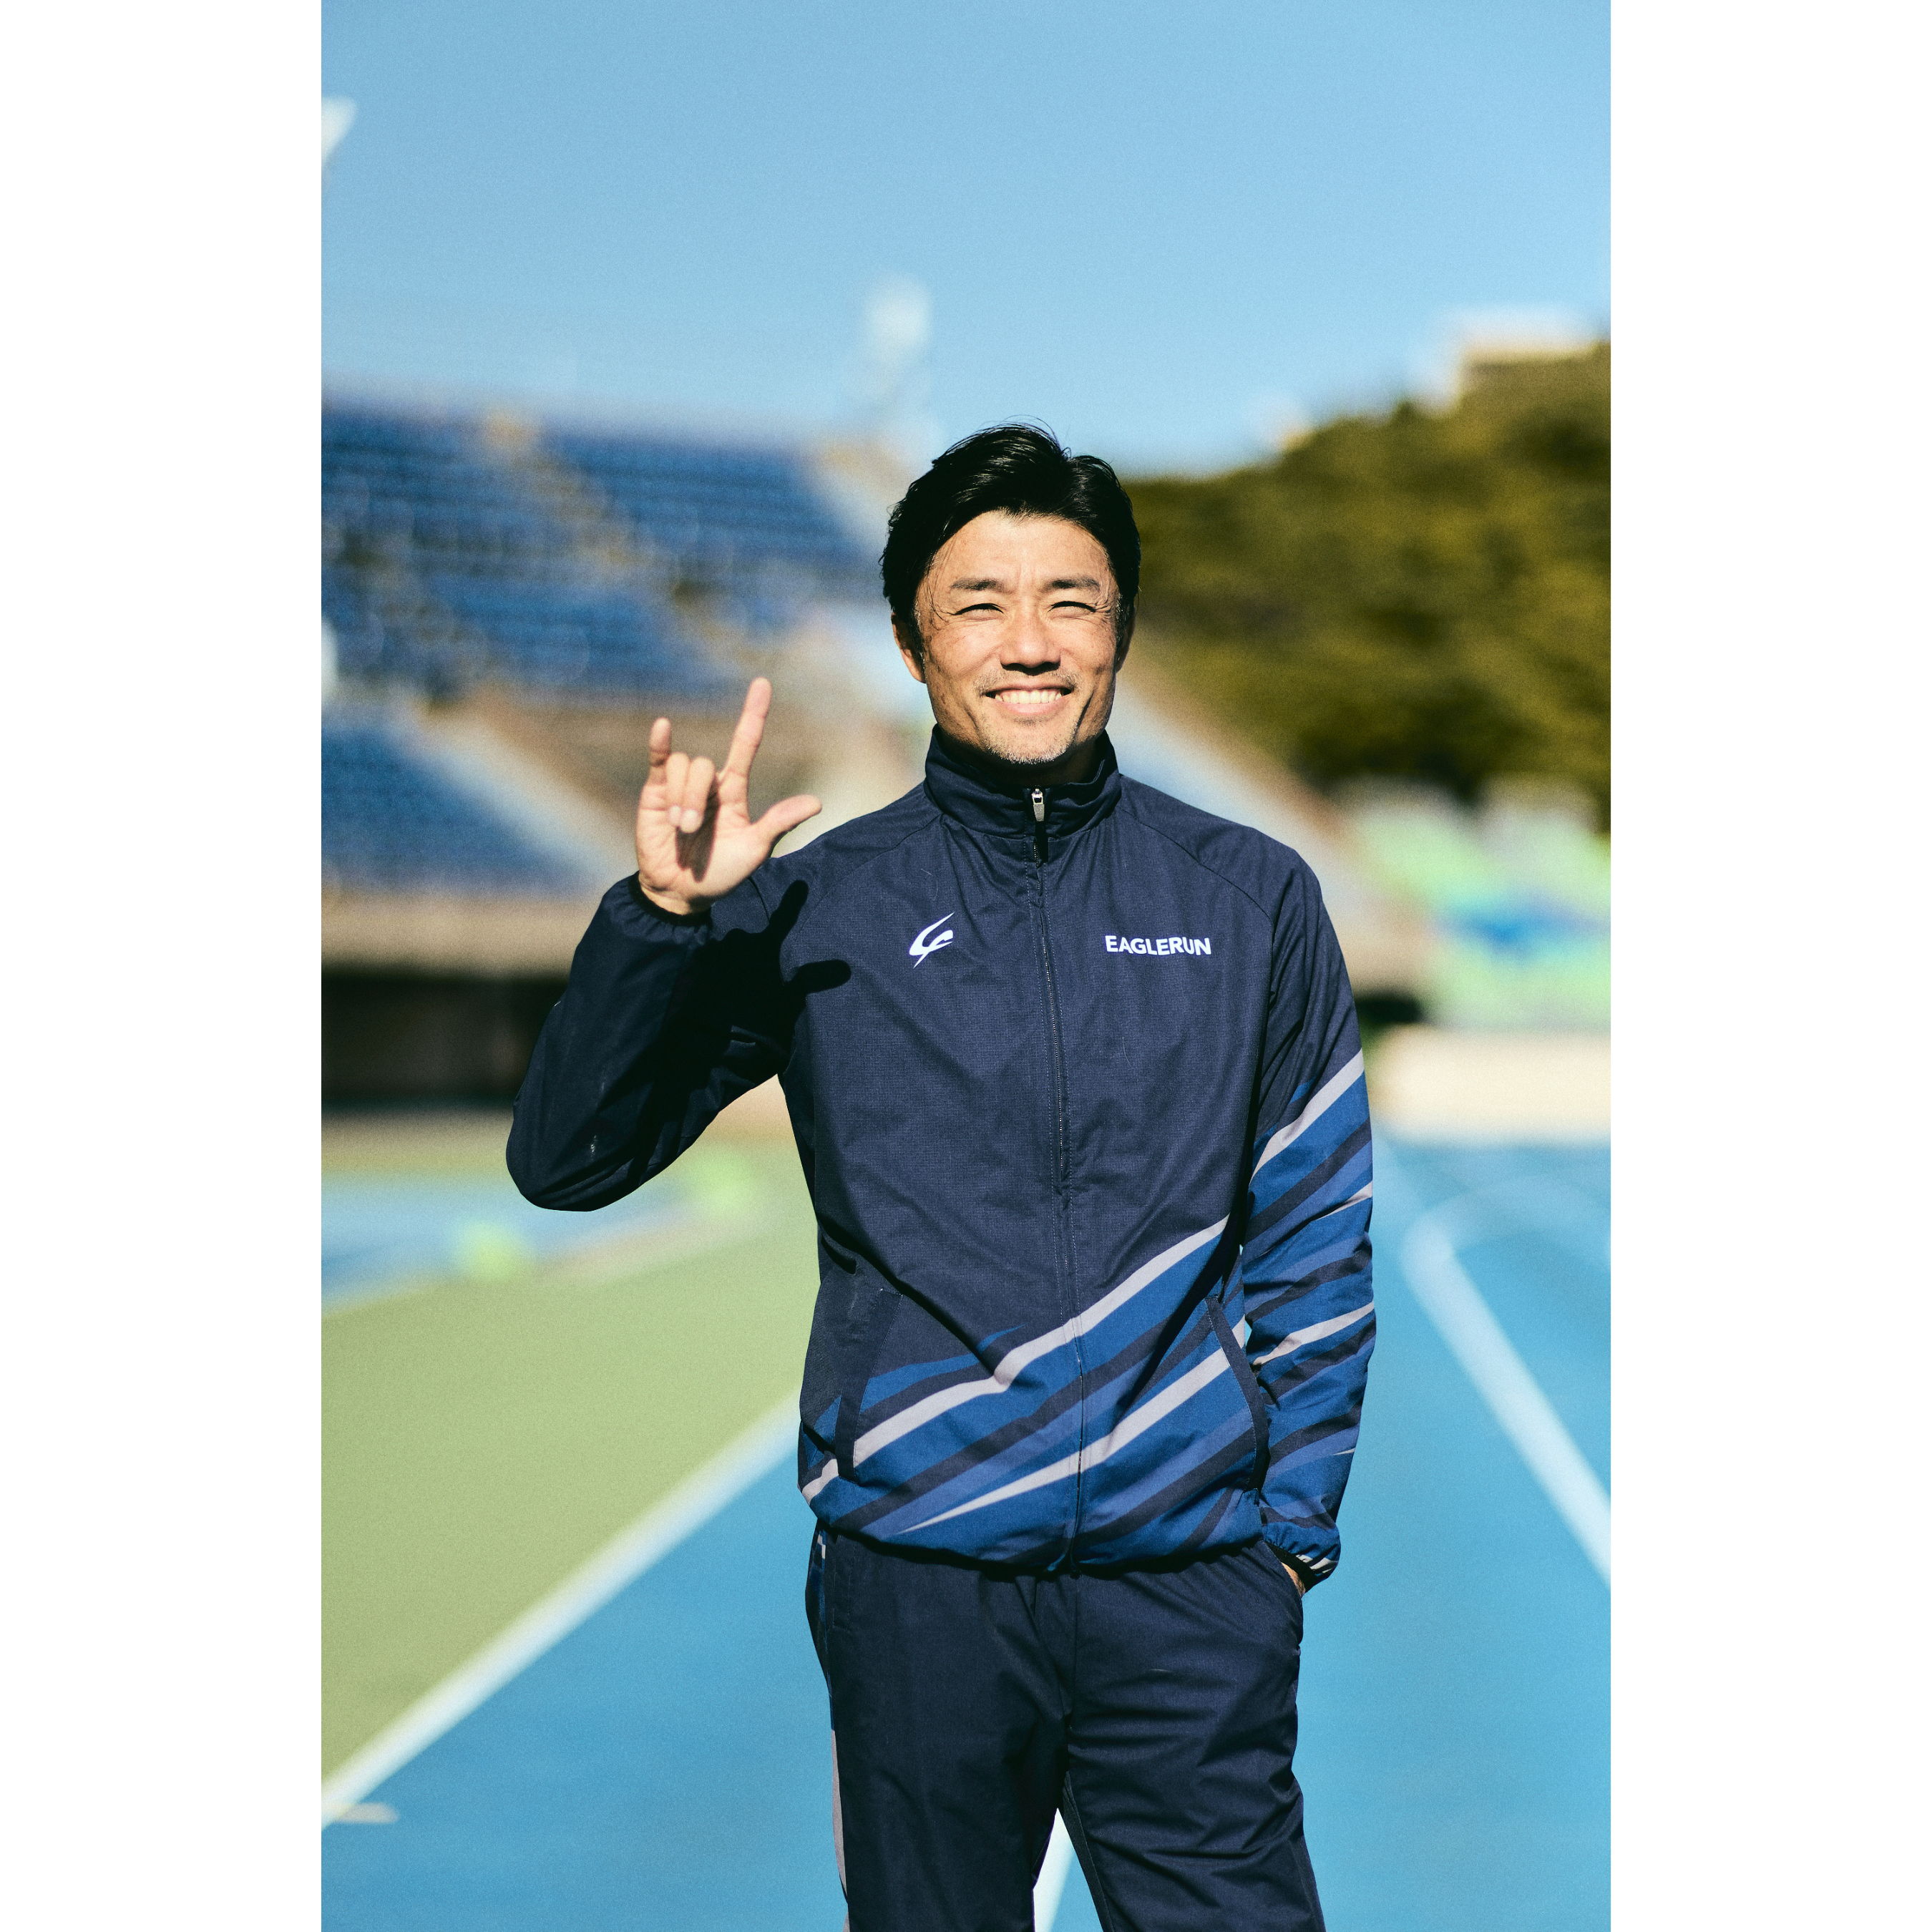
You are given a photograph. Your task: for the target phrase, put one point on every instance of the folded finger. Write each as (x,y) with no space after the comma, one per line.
(676,772)
(697,784)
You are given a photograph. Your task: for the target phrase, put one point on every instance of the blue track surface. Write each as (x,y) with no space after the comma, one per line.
(377,1229)
(1456,1671)
(666,1765)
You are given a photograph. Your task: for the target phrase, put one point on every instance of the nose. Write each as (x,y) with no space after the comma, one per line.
(1028,645)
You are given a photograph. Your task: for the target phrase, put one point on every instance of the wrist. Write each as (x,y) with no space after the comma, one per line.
(675,906)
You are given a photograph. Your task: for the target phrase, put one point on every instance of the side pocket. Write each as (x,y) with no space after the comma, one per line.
(815,1617)
(1284,1581)
(871,1319)
(1251,1391)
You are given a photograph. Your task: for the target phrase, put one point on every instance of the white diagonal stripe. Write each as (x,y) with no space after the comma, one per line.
(1138,1423)
(1014,1360)
(808,1490)
(1319,1332)
(628,1554)
(1325,1097)
(1503,1380)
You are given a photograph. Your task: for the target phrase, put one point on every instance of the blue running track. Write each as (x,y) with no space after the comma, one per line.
(378,1230)
(666,1765)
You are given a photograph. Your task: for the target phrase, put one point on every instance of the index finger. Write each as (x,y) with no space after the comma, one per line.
(744,740)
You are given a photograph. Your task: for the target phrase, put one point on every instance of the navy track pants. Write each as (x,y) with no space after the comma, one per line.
(1154,1709)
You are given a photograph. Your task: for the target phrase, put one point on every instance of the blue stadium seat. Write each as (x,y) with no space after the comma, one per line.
(444,564)
(713,509)
(391,822)
(574,635)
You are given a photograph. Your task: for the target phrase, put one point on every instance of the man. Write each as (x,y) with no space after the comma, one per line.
(1074,1074)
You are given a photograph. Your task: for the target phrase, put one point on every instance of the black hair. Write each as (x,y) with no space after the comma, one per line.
(1021,469)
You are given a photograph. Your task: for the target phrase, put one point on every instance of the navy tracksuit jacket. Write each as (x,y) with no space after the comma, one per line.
(1074,1078)
(1075,1081)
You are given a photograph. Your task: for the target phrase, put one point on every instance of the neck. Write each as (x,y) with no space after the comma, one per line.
(1081,761)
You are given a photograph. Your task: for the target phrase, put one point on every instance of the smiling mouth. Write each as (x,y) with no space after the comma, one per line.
(1025,698)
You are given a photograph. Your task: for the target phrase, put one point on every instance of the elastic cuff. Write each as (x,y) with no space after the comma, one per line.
(641,901)
(1309,1569)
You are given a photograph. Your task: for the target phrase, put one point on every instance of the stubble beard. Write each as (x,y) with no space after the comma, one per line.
(1027,753)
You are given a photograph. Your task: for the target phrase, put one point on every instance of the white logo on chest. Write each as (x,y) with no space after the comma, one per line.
(922,946)
(1173,946)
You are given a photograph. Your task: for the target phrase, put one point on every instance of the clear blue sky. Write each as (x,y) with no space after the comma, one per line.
(1160,229)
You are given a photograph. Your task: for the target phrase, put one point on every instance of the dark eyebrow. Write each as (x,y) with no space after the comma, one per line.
(975,583)
(1075,583)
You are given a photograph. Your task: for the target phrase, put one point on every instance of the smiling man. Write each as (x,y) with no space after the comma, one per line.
(1074,1074)
(1017,628)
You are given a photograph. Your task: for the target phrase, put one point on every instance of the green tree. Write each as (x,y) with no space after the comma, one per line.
(1421,595)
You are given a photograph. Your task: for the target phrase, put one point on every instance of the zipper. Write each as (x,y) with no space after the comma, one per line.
(1062,1153)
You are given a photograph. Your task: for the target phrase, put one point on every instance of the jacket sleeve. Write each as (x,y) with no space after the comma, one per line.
(664,1021)
(1305,1268)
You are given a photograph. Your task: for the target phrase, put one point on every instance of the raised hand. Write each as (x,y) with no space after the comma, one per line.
(696,841)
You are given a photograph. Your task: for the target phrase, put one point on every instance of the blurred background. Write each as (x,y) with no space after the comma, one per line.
(636,322)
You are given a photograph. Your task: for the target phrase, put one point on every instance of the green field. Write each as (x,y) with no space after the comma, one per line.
(482,1436)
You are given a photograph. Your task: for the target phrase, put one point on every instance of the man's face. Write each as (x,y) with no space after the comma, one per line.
(1017,616)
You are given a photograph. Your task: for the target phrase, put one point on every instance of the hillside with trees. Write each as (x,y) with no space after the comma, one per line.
(1423,595)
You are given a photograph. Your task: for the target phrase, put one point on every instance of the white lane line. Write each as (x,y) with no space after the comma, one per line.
(1476,1339)
(1052,1880)
(628,1554)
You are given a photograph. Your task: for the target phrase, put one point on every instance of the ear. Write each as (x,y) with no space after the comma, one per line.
(909,650)
(1126,638)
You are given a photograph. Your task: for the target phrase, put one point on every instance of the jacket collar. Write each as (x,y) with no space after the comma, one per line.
(966,790)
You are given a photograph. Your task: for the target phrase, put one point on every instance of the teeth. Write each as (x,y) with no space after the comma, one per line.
(1030,699)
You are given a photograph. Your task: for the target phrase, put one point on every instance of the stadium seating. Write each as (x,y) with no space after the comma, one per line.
(391,822)
(742,510)
(1519,896)
(449,558)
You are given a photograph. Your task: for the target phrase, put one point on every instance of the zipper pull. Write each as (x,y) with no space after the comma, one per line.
(1040,825)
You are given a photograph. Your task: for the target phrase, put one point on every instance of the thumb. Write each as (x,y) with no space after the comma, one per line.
(784,815)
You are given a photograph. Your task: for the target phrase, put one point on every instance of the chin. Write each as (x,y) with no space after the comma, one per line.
(1024,748)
